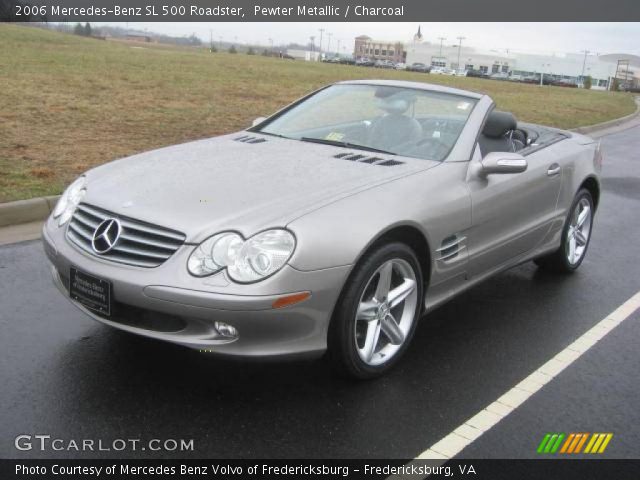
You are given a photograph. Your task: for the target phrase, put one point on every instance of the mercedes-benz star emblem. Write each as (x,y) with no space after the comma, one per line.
(106,235)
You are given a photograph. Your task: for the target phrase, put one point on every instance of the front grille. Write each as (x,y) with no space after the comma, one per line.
(140,244)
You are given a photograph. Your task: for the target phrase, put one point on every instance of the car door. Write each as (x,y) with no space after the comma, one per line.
(511,213)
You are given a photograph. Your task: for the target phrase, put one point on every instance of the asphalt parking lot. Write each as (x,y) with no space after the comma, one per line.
(68,377)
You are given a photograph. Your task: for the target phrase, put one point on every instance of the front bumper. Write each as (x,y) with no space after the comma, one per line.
(166,303)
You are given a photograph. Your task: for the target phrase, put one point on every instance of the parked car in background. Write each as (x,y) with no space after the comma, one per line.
(461,73)
(443,71)
(401,66)
(565,82)
(347,60)
(384,64)
(516,78)
(477,74)
(419,67)
(365,62)
(499,76)
(531,79)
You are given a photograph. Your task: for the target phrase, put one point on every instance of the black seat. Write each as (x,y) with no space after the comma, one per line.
(500,134)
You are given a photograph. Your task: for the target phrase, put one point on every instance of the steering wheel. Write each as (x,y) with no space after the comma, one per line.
(439,148)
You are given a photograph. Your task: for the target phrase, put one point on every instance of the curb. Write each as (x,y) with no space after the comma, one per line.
(24,211)
(609,123)
(35,209)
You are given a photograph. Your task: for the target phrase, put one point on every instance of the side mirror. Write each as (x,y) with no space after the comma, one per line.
(503,162)
(258,121)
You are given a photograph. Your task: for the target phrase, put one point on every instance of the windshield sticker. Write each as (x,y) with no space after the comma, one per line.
(336,136)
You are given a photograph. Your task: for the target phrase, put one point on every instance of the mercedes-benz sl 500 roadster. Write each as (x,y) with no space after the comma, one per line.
(331,226)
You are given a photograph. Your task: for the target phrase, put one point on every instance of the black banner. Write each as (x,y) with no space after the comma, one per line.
(315,10)
(320,469)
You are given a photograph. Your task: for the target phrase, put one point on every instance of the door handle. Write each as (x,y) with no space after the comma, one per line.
(554,169)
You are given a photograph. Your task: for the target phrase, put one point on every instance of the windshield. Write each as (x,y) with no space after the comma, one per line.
(393,120)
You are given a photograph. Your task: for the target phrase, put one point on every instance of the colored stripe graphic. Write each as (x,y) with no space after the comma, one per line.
(598,442)
(555,447)
(543,443)
(573,443)
(582,440)
(594,437)
(606,442)
(568,442)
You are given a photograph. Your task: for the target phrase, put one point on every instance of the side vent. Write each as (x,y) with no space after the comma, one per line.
(249,139)
(451,247)
(355,157)
(390,163)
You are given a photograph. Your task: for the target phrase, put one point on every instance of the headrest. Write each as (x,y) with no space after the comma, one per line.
(498,123)
(394,102)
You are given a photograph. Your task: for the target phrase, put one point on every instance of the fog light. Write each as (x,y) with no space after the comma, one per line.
(225,330)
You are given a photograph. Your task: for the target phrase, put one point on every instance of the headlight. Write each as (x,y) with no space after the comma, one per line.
(246,261)
(69,200)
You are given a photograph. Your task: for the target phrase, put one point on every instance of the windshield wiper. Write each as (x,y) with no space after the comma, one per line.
(337,143)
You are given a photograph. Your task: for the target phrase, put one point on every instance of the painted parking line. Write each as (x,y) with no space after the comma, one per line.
(484,420)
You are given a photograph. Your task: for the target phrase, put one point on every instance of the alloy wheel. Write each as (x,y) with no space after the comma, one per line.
(578,232)
(386,312)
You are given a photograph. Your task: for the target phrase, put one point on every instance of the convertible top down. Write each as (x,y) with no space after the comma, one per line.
(331,226)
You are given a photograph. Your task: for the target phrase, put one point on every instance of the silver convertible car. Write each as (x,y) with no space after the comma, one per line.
(331,226)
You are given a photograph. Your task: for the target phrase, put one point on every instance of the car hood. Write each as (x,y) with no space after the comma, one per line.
(221,183)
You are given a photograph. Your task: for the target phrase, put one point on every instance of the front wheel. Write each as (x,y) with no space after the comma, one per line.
(576,235)
(377,312)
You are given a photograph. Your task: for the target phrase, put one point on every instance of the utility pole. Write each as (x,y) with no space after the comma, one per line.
(584,63)
(542,73)
(211,40)
(320,46)
(442,39)
(459,49)
(338,49)
(271,43)
(313,43)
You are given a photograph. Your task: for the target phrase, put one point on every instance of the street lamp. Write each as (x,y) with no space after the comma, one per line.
(442,39)
(584,63)
(542,72)
(459,49)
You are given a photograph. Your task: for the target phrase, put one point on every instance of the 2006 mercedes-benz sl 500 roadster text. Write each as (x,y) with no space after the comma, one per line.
(332,225)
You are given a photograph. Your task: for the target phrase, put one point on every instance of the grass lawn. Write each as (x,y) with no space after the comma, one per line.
(69,103)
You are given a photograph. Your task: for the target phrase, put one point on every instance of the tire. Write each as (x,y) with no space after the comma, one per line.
(562,260)
(368,336)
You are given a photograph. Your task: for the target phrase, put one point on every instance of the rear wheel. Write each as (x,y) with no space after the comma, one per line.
(575,237)
(377,313)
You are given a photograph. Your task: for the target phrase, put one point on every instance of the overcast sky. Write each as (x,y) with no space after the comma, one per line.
(544,38)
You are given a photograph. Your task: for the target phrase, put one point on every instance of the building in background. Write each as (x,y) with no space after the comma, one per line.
(307,55)
(570,67)
(379,49)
